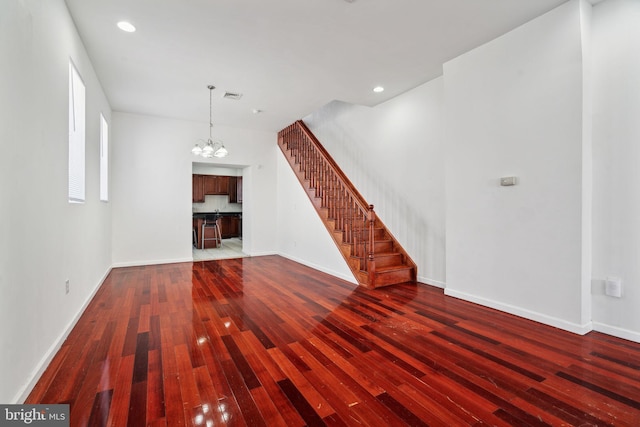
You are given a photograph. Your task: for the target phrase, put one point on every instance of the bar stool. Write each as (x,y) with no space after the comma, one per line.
(211,222)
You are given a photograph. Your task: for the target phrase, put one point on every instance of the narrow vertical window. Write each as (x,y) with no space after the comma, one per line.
(76,136)
(104,159)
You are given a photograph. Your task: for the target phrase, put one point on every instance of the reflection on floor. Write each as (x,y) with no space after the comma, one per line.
(231,248)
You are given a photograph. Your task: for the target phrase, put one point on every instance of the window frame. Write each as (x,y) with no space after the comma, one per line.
(77,136)
(104,159)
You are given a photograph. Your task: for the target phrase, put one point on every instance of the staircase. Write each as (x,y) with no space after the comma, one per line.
(372,253)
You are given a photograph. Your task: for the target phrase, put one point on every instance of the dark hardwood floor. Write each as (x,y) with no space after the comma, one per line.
(264,342)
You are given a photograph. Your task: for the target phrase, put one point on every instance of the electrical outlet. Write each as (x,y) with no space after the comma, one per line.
(66,286)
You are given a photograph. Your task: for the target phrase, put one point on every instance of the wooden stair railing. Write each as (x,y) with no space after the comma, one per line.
(374,256)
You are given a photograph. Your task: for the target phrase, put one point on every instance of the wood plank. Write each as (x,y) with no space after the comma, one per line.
(100,410)
(267,341)
(297,384)
(155,388)
(210,399)
(121,393)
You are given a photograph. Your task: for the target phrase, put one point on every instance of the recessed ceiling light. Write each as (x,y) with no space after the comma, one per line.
(126,26)
(378,89)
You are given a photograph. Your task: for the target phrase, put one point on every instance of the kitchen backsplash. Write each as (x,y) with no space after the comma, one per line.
(211,203)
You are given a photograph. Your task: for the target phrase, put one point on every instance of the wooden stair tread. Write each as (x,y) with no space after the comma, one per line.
(380,254)
(393,268)
(337,230)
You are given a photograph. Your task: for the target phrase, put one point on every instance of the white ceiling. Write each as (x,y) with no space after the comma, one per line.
(287,57)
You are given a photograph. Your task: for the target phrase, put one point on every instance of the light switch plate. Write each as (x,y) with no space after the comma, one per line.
(508,181)
(613,287)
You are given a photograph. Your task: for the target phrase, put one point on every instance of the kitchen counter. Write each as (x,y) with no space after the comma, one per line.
(203,214)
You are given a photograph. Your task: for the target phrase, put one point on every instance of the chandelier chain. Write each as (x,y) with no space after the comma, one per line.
(210,148)
(210,111)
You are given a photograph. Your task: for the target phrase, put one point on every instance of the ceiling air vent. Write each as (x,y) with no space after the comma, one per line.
(231,95)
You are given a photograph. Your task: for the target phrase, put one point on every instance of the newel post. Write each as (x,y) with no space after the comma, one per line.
(371,217)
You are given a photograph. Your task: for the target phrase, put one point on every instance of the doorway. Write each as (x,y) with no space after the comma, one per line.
(217,198)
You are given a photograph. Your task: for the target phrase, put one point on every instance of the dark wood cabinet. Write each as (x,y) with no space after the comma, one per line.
(230,226)
(198,188)
(225,227)
(210,184)
(236,225)
(223,185)
(233,189)
(216,185)
(233,193)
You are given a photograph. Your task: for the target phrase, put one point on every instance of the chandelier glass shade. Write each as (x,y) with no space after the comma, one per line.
(210,148)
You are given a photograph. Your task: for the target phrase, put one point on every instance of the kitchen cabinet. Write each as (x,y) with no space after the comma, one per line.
(198,188)
(236,226)
(209,185)
(216,185)
(223,185)
(235,189)
(230,226)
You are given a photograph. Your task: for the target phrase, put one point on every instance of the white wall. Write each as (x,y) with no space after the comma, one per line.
(393,154)
(210,169)
(44,240)
(616,238)
(514,107)
(302,236)
(152,193)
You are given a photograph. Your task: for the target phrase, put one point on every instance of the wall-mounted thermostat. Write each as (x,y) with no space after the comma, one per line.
(508,180)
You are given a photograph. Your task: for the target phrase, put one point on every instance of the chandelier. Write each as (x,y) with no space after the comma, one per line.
(210,149)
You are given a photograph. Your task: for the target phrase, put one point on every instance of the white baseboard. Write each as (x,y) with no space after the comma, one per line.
(432,282)
(617,332)
(151,262)
(349,278)
(527,314)
(23,393)
(267,253)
